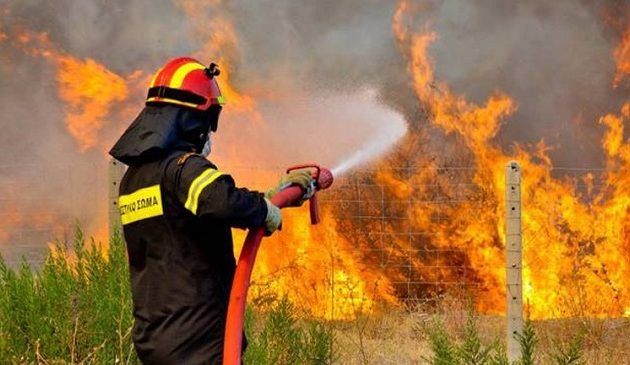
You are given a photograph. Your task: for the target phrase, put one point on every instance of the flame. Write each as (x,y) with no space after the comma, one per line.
(576,248)
(331,280)
(622,58)
(10,218)
(89,89)
(15,222)
(316,268)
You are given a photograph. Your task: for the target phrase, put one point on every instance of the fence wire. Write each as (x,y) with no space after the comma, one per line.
(39,204)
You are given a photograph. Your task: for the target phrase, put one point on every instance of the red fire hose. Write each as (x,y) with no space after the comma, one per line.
(238,296)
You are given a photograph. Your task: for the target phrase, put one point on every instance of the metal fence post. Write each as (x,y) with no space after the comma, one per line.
(116,170)
(513,255)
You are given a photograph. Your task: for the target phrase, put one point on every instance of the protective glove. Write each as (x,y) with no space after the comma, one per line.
(299,177)
(273,221)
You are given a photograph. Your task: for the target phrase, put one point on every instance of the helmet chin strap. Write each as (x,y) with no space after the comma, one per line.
(207,147)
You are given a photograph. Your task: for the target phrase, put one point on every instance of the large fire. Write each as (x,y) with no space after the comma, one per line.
(576,244)
(576,248)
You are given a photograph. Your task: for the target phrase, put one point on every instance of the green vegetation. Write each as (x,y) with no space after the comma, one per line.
(470,350)
(77,309)
(281,339)
(528,341)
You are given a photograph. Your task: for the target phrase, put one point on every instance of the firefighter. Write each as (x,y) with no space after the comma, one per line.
(177,210)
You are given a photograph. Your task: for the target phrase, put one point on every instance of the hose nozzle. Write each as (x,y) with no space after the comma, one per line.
(323,177)
(323,180)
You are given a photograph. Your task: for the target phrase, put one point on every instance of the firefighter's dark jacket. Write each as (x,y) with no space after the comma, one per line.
(176,212)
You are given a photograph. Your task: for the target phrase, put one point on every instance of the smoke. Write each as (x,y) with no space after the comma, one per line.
(553,58)
(305,64)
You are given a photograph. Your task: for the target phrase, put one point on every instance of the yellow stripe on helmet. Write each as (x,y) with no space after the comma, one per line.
(171,101)
(154,78)
(178,76)
(196,188)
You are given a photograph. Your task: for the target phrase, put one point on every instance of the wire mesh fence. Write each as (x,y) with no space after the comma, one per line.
(402,235)
(403,249)
(394,232)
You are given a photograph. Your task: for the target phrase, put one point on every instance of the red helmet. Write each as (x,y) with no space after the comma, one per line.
(185,81)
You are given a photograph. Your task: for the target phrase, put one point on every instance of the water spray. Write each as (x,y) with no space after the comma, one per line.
(238,296)
(391,128)
(355,159)
(370,151)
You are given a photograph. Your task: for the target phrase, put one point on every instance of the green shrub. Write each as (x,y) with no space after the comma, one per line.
(71,310)
(468,351)
(282,339)
(568,355)
(528,341)
(444,350)
(471,351)
(77,309)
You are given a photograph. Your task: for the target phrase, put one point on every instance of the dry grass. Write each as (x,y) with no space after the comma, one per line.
(393,337)
(398,336)
(606,341)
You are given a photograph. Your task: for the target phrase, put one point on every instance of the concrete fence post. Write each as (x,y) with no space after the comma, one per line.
(513,255)
(116,170)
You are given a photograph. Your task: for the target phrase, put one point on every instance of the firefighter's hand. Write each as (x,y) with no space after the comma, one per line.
(274,218)
(302,178)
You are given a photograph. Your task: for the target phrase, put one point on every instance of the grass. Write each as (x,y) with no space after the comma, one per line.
(445,333)
(76,309)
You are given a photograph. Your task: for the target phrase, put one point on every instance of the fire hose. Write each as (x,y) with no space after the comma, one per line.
(238,296)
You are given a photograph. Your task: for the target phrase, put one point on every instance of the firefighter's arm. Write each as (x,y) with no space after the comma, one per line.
(210,193)
(239,207)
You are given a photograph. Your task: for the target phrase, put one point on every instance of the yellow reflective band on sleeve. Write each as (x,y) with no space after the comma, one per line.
(141,204)
(206,178)
(178,77)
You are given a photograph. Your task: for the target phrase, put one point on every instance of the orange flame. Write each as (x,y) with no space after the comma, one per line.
(10,219)
(575,247)
(316,268)
(88,88)
(622,58)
